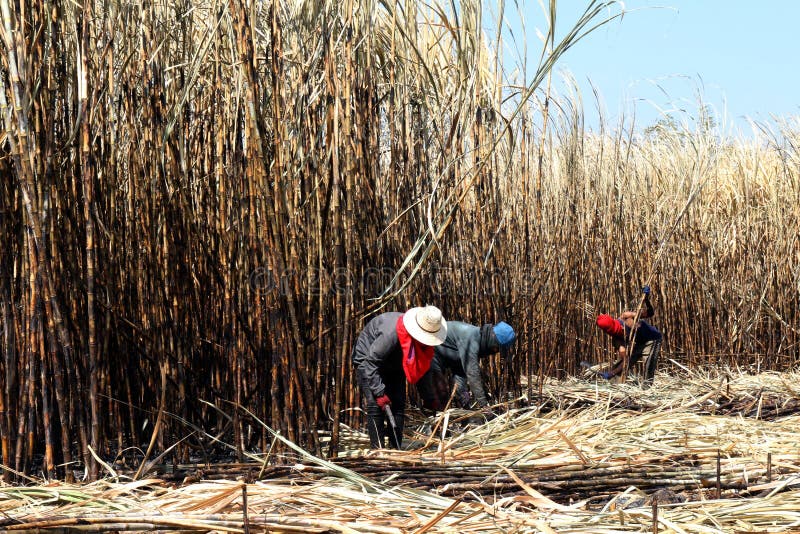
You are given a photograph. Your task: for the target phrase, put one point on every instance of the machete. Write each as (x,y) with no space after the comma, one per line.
(392,423)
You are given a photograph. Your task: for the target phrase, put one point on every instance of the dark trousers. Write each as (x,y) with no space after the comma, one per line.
(378,427)
(433,390)
(649,351)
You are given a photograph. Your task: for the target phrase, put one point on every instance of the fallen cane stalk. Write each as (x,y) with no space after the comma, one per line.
(439,419)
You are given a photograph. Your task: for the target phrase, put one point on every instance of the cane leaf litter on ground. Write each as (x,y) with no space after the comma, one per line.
(704,453)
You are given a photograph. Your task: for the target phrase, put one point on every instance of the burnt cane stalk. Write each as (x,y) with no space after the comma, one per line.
(87,175)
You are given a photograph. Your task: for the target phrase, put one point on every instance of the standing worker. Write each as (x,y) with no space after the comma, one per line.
(460,353)
(644,338)
(392,348)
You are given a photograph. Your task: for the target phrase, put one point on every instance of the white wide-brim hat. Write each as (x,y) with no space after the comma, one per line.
(426,325)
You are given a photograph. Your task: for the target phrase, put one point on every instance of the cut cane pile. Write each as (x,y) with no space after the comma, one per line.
(698,454)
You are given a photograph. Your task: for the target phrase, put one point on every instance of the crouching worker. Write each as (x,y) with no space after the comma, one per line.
(460,354)
(641,336)
(392,348)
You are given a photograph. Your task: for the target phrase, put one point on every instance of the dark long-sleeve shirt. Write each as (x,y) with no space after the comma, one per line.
(377,353)
(644,331)
(461,353)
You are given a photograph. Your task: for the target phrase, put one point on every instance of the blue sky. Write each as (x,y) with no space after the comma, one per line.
(740,56)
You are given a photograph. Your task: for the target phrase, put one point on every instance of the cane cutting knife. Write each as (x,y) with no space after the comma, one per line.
(390,417)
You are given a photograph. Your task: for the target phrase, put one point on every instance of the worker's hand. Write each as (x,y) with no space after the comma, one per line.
(606,374)
(488,413)
(646,290)
(482,415)
(383,401)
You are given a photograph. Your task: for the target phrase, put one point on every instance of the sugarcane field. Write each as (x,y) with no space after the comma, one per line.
(381,267)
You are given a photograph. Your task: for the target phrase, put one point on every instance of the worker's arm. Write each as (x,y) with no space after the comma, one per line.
(629,317)
(622,361)
(472,368)
(462,390)
(619,365)
(381,347)
(648,310)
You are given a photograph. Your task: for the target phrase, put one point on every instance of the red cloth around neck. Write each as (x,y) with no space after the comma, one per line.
(416,362)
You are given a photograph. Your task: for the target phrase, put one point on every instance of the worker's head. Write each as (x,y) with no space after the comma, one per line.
(610,326)
(504,333)
(505,337)
(496,338)
(426,325)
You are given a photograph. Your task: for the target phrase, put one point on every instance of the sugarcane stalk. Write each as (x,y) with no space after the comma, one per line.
(6,376)
(87,175)
(49,462)
(22,157)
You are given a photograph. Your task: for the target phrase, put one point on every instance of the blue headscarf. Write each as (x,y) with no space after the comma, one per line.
(504,333)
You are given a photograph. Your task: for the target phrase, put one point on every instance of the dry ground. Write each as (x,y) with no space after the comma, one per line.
(697,454)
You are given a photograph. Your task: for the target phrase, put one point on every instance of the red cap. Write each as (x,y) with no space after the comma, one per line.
(610,326)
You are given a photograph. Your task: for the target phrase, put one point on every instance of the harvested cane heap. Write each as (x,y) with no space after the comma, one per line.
(705,454)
